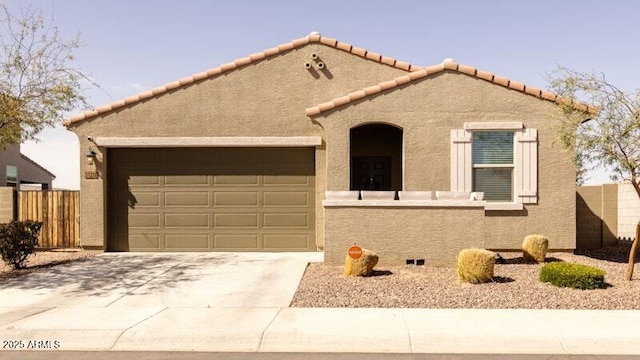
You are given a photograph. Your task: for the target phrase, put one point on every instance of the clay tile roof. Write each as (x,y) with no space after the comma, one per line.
(450,65)
(314,37)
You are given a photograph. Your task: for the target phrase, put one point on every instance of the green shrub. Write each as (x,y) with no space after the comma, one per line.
(572,275)
(534,248)
(475,265)
(18,239)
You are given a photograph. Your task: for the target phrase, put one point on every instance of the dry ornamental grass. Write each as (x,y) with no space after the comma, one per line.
(515,285)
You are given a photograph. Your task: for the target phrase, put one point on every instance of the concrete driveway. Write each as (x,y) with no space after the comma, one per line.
(167,280)
(135,301)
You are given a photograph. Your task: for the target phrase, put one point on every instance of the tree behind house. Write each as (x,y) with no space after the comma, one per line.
(37,82)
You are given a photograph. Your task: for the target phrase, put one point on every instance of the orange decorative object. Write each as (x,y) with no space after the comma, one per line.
(355,252)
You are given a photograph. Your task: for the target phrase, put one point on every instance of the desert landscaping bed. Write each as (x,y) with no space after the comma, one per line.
(514,286)
(42,259)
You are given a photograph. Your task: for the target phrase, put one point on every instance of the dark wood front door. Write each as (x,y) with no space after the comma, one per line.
(371,173)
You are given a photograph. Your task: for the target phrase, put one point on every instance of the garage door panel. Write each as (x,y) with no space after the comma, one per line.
(286,241)
(146,199)
(235,198)
(186,198)
(189,158)
(142,180)
(142,220)
(235,220)
(191,241)
(235,180)
(275,156)
(144,242)
(151,158)
(302,180)
(190,180)
(286,199)
(288,220)
(186,220)
(234,156)
(236,241)
(212,199)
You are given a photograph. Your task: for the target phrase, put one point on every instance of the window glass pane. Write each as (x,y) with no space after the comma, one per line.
(493,147)
(496,183)
(12,174)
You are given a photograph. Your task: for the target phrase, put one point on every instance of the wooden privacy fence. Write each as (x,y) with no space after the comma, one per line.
(59,212)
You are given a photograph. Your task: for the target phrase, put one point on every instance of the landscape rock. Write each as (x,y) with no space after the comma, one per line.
(363,266)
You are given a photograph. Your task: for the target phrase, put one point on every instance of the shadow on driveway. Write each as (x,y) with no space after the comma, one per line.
(102,274)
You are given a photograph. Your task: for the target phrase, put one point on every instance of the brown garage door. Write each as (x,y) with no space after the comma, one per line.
(211,199)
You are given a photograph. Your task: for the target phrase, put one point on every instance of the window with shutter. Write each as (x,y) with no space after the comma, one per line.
(497,158)
(492,157)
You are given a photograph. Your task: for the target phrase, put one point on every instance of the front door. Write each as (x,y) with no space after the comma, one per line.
(371,173)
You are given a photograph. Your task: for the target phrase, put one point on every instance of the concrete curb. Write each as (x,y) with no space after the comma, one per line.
(335,330)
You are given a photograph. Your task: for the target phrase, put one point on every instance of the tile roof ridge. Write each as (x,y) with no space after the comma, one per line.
(446,64)
(313,37)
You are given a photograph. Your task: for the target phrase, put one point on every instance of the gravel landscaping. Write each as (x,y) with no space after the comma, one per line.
(515,286)
(42,259)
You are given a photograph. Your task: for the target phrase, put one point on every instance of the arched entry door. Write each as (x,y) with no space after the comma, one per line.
(376,157)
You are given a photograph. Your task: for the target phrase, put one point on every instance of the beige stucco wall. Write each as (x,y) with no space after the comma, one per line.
(400,233)
(427,110)
(606,213)
(267,98)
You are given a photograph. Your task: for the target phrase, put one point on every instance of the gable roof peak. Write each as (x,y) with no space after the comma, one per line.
(451,65)
(313,37)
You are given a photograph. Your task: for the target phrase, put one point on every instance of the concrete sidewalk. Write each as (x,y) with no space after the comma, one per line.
(326,330)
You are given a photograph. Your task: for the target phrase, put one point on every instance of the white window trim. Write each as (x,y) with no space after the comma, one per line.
(504,206)
(525,165)
(507,125)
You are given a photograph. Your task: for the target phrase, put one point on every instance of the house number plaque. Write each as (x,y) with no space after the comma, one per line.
(90,174)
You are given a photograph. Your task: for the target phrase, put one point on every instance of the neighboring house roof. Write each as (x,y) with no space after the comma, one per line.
(314,37)
(38,166)
(447,64)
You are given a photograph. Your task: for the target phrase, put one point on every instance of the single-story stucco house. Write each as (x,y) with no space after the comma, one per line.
(315,145)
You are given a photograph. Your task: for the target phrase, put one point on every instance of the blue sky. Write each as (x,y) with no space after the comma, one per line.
(131,46)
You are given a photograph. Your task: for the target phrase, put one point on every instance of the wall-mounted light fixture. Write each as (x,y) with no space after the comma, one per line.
(91,157)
